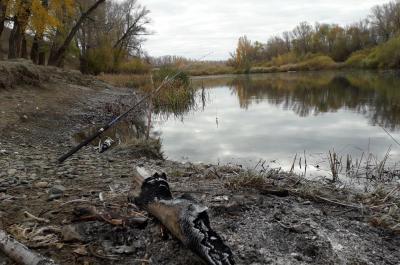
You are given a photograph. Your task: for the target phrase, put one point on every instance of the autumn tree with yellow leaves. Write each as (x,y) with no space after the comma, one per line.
(51,28)
(243,57)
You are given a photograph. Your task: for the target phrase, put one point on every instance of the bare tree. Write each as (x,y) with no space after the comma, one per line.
(386,20)
(133,20)
(303,36)
(57,55)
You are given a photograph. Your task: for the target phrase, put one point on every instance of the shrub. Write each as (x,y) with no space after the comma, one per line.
(134,66)
(386,55)
(287,58)
(357,58)
(98,60)
(320,62)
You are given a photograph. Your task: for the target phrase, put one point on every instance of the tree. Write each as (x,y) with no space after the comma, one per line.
(57,55)
(287,38)
(17,42)
(302,38)
(41,20)
(386,20)
(3,14)
(118,28)
(244,54)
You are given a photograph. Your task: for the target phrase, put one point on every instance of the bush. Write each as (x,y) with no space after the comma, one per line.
(98,60)
(287,58)
(357,58)
(134,66)
(386,55)
(320,62)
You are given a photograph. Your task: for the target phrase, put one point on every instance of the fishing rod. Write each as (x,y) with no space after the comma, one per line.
(107,126)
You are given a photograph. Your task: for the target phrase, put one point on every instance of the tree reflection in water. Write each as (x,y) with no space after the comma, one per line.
(375,95)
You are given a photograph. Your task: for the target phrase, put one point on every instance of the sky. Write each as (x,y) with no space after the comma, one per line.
(193,28)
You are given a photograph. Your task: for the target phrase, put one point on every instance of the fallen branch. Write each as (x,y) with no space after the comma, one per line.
(20,253)
(91,213)
(184,218)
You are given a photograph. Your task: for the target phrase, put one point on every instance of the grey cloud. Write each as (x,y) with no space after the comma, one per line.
(192,28)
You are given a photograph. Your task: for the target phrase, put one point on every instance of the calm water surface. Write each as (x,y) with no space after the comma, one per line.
(275,116)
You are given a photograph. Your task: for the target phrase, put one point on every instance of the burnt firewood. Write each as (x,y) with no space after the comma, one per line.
(183,217)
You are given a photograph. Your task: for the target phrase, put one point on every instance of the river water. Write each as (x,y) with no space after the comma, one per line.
(273,117)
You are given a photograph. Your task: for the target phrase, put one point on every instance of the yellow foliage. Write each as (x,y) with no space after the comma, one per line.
(60,6)
(41,18)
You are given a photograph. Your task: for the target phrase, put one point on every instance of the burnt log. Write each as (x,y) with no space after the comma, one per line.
(183,217)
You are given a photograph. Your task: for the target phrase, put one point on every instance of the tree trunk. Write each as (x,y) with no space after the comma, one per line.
(35,50)
(17,35)
(12,41)
(42,55)
(24,48)
(57,56)
(183,217)
(3,10)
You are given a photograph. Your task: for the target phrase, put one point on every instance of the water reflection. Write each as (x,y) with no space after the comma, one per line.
(375,95)
(275,116)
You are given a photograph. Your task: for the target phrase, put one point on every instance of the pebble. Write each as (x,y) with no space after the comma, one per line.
(55,196)
(57,189)
(41,184)
(11,171)
(56,192)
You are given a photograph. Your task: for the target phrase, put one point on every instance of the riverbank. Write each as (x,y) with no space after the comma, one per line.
(266,217)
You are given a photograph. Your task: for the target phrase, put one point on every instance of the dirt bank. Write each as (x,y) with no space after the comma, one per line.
(37,122)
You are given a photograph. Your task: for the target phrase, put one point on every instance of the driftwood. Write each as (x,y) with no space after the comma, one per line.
(183,217)
(20,253)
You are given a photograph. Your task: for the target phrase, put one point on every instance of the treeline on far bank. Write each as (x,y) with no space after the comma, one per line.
(372,43)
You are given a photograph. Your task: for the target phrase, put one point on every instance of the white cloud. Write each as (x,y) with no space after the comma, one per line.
(192,28)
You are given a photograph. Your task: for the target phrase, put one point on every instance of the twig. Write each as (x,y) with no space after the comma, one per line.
(74,201)
(339,203)
(31,216)
(390,193)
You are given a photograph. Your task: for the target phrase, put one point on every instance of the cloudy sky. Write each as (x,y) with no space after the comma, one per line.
(192,28)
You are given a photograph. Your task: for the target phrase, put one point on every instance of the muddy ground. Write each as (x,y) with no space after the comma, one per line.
(37,122)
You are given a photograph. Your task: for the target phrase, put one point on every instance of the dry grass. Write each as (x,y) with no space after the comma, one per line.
(126,80)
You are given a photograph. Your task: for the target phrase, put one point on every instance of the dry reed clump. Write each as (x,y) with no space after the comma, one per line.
(246,179)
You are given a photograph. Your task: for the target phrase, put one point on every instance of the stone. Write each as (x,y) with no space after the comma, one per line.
(69,234)
(11,171)
(57,189)
(41,184)
(56,192)
(55,196)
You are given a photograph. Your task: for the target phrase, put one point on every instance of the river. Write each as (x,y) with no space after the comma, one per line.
(272,117)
